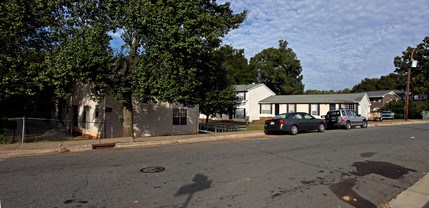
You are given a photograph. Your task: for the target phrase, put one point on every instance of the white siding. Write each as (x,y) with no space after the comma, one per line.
(254,96)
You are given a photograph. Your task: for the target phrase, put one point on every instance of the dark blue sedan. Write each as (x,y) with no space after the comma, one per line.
(293,123)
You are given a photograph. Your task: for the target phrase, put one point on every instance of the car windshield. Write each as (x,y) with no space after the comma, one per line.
(280,116)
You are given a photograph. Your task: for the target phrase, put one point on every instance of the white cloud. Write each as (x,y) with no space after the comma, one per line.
(345,40)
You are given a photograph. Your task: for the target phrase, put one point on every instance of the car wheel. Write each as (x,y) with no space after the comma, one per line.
(364,124)
(293,130)
(348,125)
(321,128)
(267,132)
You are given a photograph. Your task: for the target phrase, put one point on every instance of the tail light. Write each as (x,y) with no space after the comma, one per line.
(282,121)
(342,119)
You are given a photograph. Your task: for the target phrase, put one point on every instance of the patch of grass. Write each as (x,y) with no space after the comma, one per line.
(256,125)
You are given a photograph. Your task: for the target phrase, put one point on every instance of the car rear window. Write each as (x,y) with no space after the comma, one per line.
(281,116)
(334,113)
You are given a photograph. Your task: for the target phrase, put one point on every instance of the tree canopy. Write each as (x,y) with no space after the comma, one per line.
(419,76)
(169,44)
(24,42)
(60,44)
(218,95)
(389,82)
(279,69)
(236,65)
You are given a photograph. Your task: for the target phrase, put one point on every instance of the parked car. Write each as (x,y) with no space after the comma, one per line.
(293,123)
(387,115)
(345,118)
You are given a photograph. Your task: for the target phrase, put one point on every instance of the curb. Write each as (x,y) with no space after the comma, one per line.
(16,150)
(129,143)
(415,196)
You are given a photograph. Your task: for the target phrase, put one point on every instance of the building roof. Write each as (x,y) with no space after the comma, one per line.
(320,98)
(379,94)
(247,87)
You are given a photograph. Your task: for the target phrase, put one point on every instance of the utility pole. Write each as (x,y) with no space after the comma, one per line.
(408,87)
(413,64)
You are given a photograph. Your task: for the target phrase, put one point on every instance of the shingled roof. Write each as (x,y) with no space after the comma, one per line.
(323,98)
(246,88)
(379,94)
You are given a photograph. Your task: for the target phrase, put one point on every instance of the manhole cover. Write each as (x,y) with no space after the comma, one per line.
(154,169)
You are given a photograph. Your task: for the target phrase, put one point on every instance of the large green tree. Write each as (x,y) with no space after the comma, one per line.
(81,51)
(279,69)
(218,95)
(24,40)
(419,76)
(236,65)
(167,46)
(389,82)
(61,44)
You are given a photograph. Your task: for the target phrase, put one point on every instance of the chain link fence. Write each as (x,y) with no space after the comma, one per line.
(25,129)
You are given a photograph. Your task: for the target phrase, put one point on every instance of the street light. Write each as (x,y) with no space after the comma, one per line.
(413,64)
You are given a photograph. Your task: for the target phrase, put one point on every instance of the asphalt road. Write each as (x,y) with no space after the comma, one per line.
(337,168)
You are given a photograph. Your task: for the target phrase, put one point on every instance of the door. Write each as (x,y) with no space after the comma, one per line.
(356,118)
(277,109)
(75,115)
(308,122)
(85,118)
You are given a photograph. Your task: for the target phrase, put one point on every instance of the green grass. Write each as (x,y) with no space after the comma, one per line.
(256,125)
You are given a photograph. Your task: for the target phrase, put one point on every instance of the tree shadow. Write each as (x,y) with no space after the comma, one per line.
(200,182)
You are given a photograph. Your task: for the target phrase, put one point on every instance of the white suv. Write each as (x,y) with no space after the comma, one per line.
(345,118)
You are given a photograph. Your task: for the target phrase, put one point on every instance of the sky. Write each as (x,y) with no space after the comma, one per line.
(338,42)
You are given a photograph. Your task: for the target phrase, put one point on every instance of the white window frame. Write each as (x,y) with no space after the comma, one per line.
(266,109)
(180,116)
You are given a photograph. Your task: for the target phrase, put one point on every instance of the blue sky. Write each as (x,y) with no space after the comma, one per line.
(339,42)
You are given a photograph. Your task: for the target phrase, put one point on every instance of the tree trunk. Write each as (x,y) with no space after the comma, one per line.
(127,112)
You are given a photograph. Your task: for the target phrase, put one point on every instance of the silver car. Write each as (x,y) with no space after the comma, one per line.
(345,118)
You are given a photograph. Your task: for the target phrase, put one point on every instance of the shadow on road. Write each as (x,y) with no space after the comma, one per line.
(200,182)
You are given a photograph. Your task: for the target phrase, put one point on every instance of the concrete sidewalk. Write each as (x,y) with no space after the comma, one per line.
(37,148)
(416,196)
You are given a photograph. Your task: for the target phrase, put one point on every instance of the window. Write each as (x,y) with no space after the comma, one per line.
(331,106)
(180,116)
(281,116)
(266,109)
(314,109)
(291,108)
(348,113)
(96,111)
(297,116)
(241,96)
(240,113)
(348,106)
(306,116)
